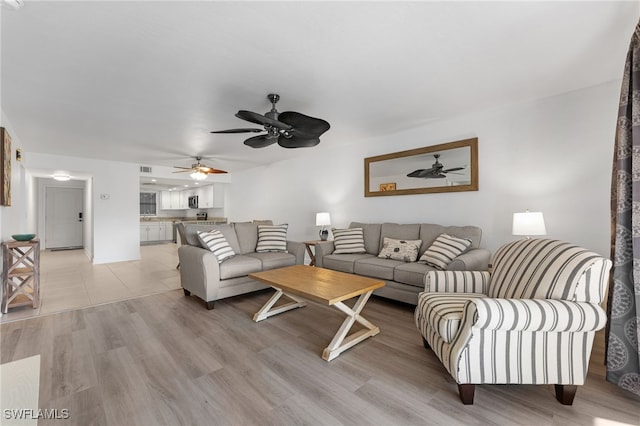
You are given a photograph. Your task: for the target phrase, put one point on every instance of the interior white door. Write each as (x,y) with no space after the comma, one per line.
(63,221)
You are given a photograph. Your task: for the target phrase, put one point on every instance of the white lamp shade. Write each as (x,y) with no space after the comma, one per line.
(528,223)
(323,219)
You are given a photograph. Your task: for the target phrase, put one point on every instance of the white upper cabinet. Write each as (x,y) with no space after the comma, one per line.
(209,197)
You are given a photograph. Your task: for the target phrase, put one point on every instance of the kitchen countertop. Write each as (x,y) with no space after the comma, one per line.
(179,219)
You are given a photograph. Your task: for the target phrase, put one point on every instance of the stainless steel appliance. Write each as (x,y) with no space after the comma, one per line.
(201,216)
(193,201)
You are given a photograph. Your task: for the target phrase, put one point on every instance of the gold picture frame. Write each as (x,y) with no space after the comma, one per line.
(446,167)
(5,164)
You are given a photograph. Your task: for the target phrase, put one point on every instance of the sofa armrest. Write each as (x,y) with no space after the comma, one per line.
(472,260)
(199,272)
(457,281)
(297,249)
(540,315)
(322,249)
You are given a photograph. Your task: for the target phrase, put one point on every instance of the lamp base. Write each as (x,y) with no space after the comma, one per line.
(324,234)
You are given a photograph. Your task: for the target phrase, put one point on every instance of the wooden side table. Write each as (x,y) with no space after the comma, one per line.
(311,253)
(20,274)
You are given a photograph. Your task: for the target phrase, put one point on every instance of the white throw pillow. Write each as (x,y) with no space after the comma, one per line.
(348,241)
(217,243)
(405,250)
(272,238)
(444,249)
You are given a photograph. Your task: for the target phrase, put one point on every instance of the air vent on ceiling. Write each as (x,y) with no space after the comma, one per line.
(145,169)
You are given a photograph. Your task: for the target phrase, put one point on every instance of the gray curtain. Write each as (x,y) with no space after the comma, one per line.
(623,360)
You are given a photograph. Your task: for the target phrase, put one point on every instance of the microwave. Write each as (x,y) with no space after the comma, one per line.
(193,201)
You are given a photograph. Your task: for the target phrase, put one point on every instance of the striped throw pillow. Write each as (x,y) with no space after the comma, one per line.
(444,249)
(348,241)
(217,243)
(272,238)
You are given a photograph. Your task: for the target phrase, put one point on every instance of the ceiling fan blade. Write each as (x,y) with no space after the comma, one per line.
(303,125)
(183,171)
(297,142)
(212,171)
(244,130)
(256,118)
(261,141)
(186,168)
(455,169)
(420,173)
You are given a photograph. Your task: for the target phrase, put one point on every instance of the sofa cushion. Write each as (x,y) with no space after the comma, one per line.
(375,267)
(371,233)
(247,234)
(399,232)
(412,273)
(429,232)
(272,238)
(404,250)
(273,260)
(239,266)
(472,233)
(348,241)
(443,311)
(191,234)
(217,244)
(343,262)
(444,249)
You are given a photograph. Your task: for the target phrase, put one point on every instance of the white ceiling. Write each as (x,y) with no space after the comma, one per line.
(146,81)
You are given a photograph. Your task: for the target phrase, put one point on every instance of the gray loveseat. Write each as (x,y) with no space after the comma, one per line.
(404,280)
(203,276)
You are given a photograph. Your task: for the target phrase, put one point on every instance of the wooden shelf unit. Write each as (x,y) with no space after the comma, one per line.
(20,274)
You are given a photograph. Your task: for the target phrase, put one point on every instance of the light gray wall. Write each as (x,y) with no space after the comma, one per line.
(551,155)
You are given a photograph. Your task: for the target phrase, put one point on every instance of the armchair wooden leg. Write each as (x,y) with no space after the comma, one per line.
(425,343)
(210,305)
(566,393)
(466,392)
(186,292)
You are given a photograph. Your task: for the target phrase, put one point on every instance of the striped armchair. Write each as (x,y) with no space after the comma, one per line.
(532,320)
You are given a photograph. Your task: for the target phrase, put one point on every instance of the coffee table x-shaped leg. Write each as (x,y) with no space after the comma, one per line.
(342,340)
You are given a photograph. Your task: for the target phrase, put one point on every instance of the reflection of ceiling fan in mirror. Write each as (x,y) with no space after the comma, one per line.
(198,170)
(289,129)
(436,171)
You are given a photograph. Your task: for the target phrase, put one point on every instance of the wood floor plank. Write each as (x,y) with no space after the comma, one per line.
(166,360)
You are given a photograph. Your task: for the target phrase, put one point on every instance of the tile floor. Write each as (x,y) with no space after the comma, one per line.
(68,280)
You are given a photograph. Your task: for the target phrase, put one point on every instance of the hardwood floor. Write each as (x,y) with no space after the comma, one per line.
(166,360)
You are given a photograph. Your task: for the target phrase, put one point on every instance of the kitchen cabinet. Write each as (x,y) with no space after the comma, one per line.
(156,231)
(170,200)
(209,197)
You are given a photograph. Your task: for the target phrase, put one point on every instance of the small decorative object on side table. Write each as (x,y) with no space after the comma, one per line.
(20,274)
(323,219)
(311,253)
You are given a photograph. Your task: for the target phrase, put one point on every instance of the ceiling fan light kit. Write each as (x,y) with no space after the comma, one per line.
(288,129)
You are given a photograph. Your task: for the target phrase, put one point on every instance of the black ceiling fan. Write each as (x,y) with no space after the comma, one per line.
(435,172)
(289,129)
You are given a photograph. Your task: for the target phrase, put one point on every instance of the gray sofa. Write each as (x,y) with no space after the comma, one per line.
(404,280)
(203,276)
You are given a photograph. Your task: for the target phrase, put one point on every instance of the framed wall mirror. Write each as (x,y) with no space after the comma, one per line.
(447,167)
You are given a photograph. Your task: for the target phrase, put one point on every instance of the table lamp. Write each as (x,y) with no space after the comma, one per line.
(528,224)
(323,219)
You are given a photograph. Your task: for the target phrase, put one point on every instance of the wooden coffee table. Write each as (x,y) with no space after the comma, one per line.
(326,287)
